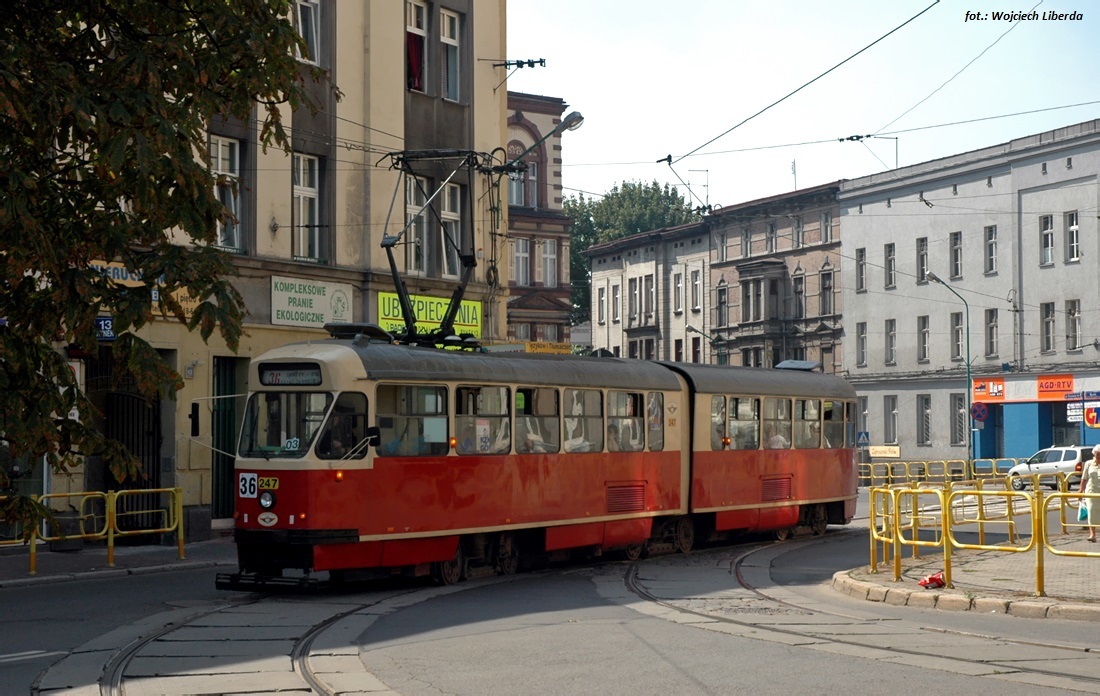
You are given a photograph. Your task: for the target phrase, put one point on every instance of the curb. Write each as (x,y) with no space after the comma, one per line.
(107,573)
(1030,608)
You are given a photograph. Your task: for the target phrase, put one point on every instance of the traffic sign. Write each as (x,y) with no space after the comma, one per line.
(863,439)
(979,412)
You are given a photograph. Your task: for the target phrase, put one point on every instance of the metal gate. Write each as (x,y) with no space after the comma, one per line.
(134,421)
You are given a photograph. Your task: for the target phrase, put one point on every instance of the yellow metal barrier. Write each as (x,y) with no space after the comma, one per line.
(105,526)
(899,513)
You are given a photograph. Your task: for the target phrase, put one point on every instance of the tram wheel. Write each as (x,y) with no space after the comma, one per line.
(507,554)
(633,552)
(685,534)
(449,572)
(783,534)
(820,520)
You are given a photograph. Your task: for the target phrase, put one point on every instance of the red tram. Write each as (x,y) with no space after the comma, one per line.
(358,455)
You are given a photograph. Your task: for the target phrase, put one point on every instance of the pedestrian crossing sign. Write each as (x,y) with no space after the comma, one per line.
(863,439)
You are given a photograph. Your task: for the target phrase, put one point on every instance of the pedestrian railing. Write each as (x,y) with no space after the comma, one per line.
(98,515)
(933,515)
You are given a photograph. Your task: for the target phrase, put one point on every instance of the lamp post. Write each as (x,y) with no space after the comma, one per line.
(969,417)
(572,121)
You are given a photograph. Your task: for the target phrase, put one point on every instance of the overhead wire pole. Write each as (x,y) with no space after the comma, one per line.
(969,389)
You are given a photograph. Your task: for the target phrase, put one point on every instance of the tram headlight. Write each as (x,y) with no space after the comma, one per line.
(267,500)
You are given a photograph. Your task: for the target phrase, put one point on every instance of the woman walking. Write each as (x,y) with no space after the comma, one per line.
(1090,483)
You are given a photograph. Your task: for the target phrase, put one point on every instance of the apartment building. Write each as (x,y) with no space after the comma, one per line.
(970,280)
(406,155)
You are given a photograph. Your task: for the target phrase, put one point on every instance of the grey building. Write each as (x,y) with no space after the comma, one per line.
(972,279)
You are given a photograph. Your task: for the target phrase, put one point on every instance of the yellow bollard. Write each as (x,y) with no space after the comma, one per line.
(1039,522)
(178,507)
(112,520)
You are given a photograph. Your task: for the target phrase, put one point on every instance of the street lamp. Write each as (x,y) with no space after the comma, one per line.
(970,419)
(715,342)
(572,121)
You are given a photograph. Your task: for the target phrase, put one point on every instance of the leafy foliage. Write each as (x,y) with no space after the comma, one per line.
(104,108)
(630,209)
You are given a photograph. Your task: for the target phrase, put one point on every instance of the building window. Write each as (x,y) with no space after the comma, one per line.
(746,243)
(826,293)
(451,216)
(720,246)
(678,293)
(891,341)
(924,419)
(861,270)
(922,260)
(889,266)
(678,350)
(1046,240)
(601,305)
(864,415)
(959,417)
(990,332)
(648,295)
(521,268)
(923,335)
(1073,238)
(696,350)
(225,165)
(769,239)
(696,290)
(550,263)
(722,308)
(1046,313)
(752,300)
(449,35)
(523,186)
(305,213)
(309,28)
(416,38)
(890,420)
(615,303)
(826,227)
(416,239)
(991,249)
(956,254)
(861,344)
(799,297)
(797,239)
(522,332)
(1073,324)
(632,300)
(956,335)
(550,333)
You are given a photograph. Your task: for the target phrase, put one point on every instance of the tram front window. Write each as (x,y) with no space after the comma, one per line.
(282,424)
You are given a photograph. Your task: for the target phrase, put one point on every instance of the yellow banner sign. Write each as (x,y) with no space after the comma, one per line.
(429,313)
(122,275)
(885,451)
(547,347)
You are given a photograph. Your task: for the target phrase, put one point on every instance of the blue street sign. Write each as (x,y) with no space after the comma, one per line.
(863,439)
(105,328)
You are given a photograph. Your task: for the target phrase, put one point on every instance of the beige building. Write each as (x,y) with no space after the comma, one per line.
(539,305)
(405,155)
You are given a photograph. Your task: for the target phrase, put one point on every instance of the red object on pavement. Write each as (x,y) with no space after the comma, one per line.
(933,581)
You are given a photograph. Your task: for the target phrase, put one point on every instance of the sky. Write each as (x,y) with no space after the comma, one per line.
(657,78)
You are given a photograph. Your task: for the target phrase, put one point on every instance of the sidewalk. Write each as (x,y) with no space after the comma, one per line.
(989,581)
(91,561)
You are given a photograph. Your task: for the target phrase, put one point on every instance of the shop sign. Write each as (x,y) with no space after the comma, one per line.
(314,303)
(429,313)
(1054,387)
(121,275)
(548,347)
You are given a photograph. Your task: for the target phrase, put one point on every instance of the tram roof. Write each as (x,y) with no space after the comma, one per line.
(724,379)
(384,361)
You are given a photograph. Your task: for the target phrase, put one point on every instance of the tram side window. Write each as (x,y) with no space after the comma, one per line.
(412,420)
(833,417)
(777,423)
(625,425)
(481,420)
(850,424)
(282,424)
(744,423)
(807,423)
(344,434)
(537,420)
(717,422)
(655,421)
(583,420)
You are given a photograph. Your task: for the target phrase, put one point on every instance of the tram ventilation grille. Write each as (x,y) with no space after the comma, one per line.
(626,498)
(776,489)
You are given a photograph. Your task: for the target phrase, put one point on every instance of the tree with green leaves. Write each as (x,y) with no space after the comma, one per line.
(625,210)
(104,108)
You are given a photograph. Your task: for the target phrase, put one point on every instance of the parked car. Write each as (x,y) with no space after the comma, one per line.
(1050,461)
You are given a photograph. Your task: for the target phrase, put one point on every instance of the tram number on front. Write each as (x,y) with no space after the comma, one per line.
(249,485)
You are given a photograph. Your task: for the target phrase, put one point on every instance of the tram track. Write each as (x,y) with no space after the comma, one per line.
(805,634)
